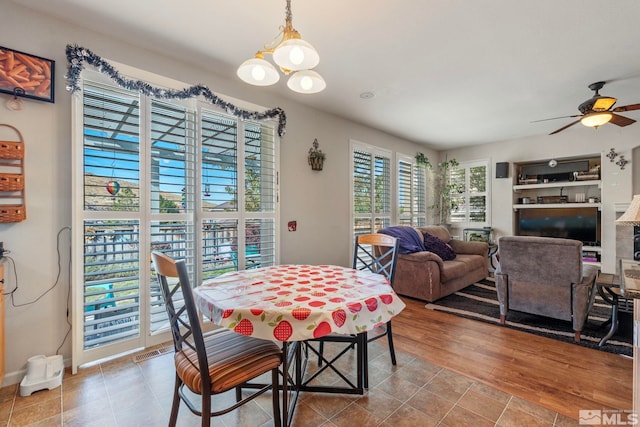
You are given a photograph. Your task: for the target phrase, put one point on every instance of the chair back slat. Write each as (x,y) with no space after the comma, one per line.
(377,253)
(185,330)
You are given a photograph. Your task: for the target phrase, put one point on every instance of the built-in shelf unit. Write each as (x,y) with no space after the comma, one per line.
(560,198)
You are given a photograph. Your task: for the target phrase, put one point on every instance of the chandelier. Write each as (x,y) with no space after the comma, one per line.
(294,57)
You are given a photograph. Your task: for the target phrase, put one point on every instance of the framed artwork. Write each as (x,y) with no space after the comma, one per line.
(30,76)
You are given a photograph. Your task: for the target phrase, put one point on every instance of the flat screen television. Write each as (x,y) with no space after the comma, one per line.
(570,223)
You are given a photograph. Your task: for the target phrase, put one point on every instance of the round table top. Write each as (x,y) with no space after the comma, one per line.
(298,302)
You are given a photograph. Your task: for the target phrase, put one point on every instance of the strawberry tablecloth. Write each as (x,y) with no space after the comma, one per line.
(298,302)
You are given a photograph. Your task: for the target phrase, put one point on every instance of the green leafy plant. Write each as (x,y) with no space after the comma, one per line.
(444,191)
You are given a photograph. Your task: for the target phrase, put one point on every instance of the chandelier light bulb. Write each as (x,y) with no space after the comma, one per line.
(258,72)
(306,81)
(296,55)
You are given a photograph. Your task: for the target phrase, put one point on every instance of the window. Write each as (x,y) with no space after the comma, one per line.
(170,175)
(470,206)
(411,195)
(371,188)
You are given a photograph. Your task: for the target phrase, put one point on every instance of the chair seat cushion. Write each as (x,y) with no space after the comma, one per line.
(233,360)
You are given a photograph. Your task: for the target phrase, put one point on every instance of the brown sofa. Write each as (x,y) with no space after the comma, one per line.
(425,276)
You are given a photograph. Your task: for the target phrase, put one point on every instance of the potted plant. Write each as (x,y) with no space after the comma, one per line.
(444,191)
(316,156)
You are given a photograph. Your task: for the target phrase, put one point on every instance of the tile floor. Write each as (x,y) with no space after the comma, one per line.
(129,392)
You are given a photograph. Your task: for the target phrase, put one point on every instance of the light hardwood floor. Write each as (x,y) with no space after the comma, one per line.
(563,377)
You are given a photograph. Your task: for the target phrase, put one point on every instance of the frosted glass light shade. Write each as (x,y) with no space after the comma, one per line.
(596,119)
(632,214)
(258,72)
(296,54)
(306,81)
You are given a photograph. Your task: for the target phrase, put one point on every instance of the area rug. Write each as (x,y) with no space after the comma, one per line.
(479,302)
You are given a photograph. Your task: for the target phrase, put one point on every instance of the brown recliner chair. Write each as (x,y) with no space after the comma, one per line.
(545,276)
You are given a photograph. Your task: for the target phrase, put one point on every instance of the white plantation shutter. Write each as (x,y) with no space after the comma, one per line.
(172,193)
(419,205)
(161,175)
(111,128)
(411,195)
(471,203)
(371,188)
(111,186)
(405,193)
(458,181)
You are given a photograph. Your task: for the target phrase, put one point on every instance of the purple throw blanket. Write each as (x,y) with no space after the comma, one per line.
(409,239)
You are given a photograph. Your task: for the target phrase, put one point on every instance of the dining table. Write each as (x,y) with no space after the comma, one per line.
(294,303)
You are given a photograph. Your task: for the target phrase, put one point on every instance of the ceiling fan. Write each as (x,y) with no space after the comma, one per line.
(597,111)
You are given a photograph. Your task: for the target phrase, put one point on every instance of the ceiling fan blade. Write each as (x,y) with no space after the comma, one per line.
(626,108)
(564,127)
(555,118)
(619,120)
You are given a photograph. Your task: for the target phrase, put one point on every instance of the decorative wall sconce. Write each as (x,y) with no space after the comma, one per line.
(316,156)
(621,162)
(612,154)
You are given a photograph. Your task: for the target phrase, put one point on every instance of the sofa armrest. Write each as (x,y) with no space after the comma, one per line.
(583,296)
(469,248)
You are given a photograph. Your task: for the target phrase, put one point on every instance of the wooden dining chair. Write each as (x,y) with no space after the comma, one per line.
(213,363)
(377,253)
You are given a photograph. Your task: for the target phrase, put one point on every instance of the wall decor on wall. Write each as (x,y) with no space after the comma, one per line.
(12,178)
(316,156)
(622,162)
(32,75)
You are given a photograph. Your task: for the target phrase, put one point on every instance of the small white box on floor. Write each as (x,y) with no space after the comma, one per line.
(42,373)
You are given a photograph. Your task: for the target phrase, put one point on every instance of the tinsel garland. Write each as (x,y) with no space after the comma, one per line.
(77,56)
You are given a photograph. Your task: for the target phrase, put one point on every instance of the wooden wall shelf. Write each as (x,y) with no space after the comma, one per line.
(12,179)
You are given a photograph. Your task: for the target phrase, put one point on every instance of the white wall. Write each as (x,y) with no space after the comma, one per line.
(319,201)
(573,142)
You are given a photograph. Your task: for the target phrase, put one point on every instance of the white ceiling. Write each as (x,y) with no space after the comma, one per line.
(446,73)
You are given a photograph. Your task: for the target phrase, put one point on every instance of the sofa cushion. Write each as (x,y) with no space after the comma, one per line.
(461,266)
(439,231)
(438,247)
(410,240)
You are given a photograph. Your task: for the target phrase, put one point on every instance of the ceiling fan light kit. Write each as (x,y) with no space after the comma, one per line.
(292,55)
(593,120)
(597,110)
